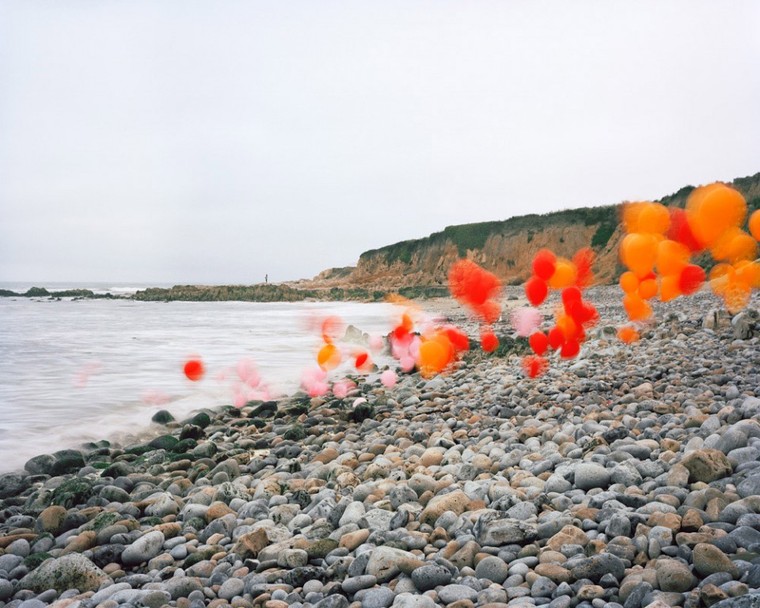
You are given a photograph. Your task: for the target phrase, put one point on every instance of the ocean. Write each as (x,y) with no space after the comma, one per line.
(73,371)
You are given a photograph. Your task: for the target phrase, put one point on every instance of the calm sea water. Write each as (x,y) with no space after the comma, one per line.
(74,371)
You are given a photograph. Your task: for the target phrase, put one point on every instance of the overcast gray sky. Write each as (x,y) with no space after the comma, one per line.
(213,142)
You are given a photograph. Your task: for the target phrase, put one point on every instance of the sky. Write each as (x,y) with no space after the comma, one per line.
(219,142)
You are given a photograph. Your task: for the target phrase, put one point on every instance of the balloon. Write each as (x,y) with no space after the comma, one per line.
(570,349)
(653,218)
(734,245)
(748,273)
(471,284)
(630,219)
(525,320)
(713,209)
(629,282)
(489,342)
(536,291)
(388,378)
(565,274)
(246,371)
(376,343)
(331,327)
(458,338)
(571,295)
(672,257)
(567,325)
(691,279)
(639,252)
(544,264)
(754,224)
(314,382)
(628,334)
(340,389)
(489,312)
(681,232)
(670,287)
(328,357)
(194,369)
(538,342)
(435,354)
(648,289)
(636,308)
(534,366)
(584,260)
(556,337)
(363,362)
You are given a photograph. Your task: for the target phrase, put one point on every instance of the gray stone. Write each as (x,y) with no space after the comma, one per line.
(492,568)
(506,531)
(751,600)
(543,587)
(230,588)
(73,571)
(143,549)
(750,486)
(357,583)
(589,475)
(455,593)
(6,590)
(181,586)
(9,562)
(430,576)
(409,600)
(382,597)
(596,566)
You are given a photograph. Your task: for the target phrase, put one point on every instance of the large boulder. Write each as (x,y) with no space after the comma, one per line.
(73,571)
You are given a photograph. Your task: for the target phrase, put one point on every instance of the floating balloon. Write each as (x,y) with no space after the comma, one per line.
(754,224)
(363,362)
(691,279)
(681,232)
(539,343)
(570,349)
(328,357)
(489,342)
(194,369)
(639,252)
(584,260)
(435,355)
(565,274)
(637,308)
(648,289)
(628,334)
(536,291)
(525,320)
(331,328)
(458,338)
(713,209)
(556,338)
(544,264)
(629,282)
(534,366)
(388,378)
(672,257)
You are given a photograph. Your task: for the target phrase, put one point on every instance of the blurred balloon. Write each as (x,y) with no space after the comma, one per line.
(629,282)
(489,342)
(565,274)
(194,369)
(538,342)
(544,264)
(638,252)
(754,224)
(536,291)
(534,366)
(628,334)
(329,357)
(713,209)
(388,378)
(525,320)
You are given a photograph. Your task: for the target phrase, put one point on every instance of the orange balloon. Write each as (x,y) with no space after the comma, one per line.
(754,224)
(670,287)
(567,326)
(672,257)
(636,308)
(435,354)
(639,252)
(565,274)
(735,245)
(648,289)
(628,334)
(328,357)
(629,282)
(631,214)
(653,218)
(737,296)
(749,273)
(713,209)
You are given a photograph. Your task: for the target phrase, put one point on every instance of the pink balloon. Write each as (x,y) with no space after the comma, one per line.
(376,343)
(407,363)
(526,320)
(341,388)
(247,372)
(314,382)
(388,378)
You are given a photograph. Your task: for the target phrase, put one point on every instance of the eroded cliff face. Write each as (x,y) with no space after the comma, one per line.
(507,255)
(508,249)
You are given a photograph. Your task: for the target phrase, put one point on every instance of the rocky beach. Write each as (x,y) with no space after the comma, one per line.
(627,477)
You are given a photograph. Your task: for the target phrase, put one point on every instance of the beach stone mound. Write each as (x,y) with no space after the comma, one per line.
(72,571)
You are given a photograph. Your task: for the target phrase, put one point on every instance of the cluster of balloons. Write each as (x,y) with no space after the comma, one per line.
(572,318)
(479,290)
(660,243)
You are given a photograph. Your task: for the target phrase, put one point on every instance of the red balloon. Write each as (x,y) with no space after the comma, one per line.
(194,369)
(681,232)
(458,338)
(544,264)
(361,359)
(536,290)
(489,342)
(691,279)
(538,342)
(571,295)
(556,337)
(534,365)
(583,261)
(570,349)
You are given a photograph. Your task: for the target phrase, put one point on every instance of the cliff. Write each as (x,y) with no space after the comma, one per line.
(504,247)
